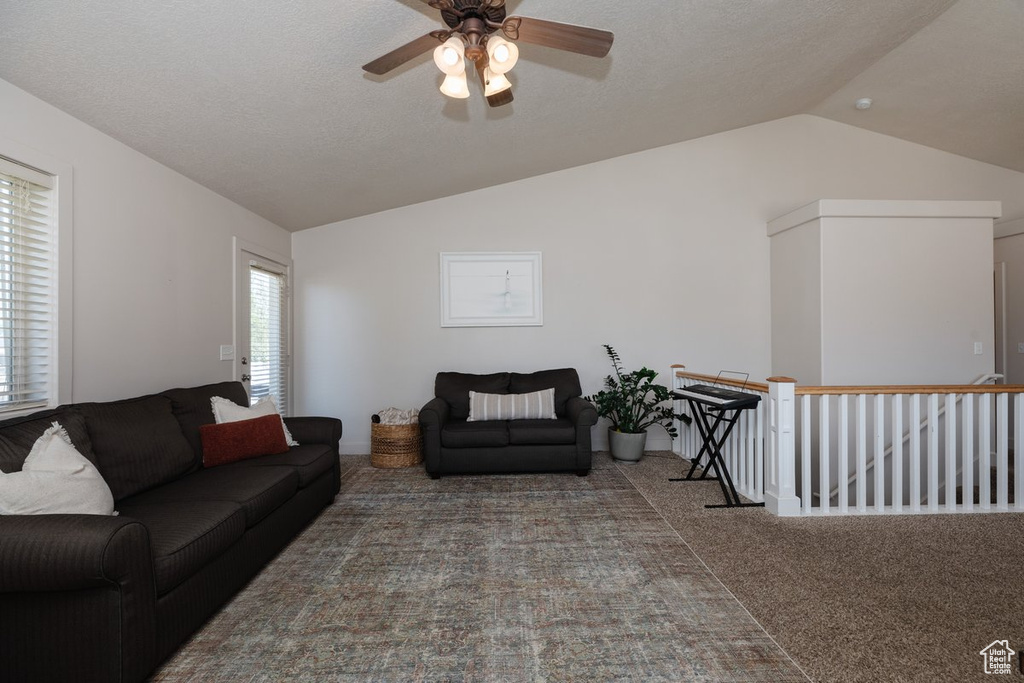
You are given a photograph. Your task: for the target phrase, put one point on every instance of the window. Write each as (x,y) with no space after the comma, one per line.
(29,363)
(268,327)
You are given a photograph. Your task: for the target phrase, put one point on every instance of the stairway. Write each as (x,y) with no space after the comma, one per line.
(992,481)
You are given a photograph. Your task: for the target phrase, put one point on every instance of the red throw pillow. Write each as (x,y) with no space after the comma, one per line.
(233,441)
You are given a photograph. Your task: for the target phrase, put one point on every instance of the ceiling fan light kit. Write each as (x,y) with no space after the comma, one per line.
(455,86)
(473,27)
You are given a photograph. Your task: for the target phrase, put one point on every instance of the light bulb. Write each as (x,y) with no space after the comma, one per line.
(450,57)
(494,83)
(455,86)
(501,54)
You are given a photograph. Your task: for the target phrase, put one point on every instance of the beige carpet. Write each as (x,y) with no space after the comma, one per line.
(858,598)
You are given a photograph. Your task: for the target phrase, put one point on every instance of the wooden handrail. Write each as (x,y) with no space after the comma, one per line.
(739,384)
(912,389)
(865,389)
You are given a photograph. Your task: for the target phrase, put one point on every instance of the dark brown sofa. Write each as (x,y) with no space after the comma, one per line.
(451,445)
(96,598)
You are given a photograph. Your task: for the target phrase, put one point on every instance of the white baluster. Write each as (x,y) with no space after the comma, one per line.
(933,452)
(951,452)
(985,451)
(805,453)
(897,453)
(1002,447)
(879,452)
(862,453)
(843,475)
(825,484)
(915,452)
(1018,452)
(967,457)
(759,446)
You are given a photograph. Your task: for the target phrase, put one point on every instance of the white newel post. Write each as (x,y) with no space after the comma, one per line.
(780,488)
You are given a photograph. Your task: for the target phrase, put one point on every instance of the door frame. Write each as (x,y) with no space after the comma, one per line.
(242,252)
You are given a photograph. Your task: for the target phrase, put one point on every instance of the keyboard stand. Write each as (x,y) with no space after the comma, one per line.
(713,448)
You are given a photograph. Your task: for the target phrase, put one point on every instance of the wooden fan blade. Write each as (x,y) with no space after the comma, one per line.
(500,99)
(585,41)
(440,4)
(400,56)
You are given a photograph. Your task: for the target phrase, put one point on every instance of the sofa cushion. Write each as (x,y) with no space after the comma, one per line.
(191,407)
(454,388)
(308,460)
(138,443)
(55,479)
(259,490)
(233,441)
(19,434)
(462,434)
(560,431)
(566,382)
(536,405)
(185,535)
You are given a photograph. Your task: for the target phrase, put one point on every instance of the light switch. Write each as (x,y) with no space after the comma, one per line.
(227,352)
(1020,347)
(978,349)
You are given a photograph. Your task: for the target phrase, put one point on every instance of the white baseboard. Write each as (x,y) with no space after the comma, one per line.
(354,447)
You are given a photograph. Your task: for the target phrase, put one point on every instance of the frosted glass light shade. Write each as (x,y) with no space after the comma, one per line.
(494,83)
(502,55)
(455,86)
(450,57)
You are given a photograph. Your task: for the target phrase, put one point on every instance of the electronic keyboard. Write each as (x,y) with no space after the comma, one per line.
(718,398)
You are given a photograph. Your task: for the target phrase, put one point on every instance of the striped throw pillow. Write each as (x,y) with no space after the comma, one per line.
(537,405)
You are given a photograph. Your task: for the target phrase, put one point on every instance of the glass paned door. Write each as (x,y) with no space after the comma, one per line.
(265,355)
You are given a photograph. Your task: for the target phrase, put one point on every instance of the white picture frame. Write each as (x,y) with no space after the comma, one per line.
(491,289)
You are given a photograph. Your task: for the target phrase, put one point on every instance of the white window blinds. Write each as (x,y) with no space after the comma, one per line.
(28,293)
(268,338)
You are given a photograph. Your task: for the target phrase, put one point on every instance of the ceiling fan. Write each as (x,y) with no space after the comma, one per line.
(479,31)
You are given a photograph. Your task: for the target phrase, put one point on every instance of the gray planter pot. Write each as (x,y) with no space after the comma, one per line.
(626,447)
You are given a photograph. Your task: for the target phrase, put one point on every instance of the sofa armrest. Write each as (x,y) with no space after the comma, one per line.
(77,599)
(435,413)
(581,412)
(433,417)
(325,430)
(71,552)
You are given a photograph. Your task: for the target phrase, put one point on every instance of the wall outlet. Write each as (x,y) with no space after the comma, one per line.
(227,352)
(978,349)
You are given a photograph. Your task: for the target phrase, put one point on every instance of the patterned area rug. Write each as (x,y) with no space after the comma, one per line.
(497,578)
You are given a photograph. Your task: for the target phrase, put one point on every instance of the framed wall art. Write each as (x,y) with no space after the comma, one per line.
(491,289)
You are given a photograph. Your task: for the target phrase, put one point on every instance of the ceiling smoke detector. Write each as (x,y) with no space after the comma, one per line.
(863,103)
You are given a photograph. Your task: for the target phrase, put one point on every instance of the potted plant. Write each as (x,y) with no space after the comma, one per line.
(633,402)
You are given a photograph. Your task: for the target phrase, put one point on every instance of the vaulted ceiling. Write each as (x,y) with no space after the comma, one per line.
(266,103)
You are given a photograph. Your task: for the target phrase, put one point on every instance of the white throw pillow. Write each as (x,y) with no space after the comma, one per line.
(537,405)
(55,479)
(226,410)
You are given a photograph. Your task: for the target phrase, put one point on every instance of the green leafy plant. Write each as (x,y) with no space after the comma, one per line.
(633,402)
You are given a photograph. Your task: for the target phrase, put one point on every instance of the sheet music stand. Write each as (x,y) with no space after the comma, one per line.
(724,406)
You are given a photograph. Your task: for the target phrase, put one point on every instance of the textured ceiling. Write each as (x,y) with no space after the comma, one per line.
(266,104)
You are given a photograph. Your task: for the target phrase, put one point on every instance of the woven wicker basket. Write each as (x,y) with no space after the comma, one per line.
(395,445)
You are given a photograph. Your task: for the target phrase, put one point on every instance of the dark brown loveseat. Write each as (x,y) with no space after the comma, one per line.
(452,445)
(97,598)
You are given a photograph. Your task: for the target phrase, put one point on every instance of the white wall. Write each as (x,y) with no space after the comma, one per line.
(152,258)
(662,254)
(796,284)
(905,300)
(1009,249)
